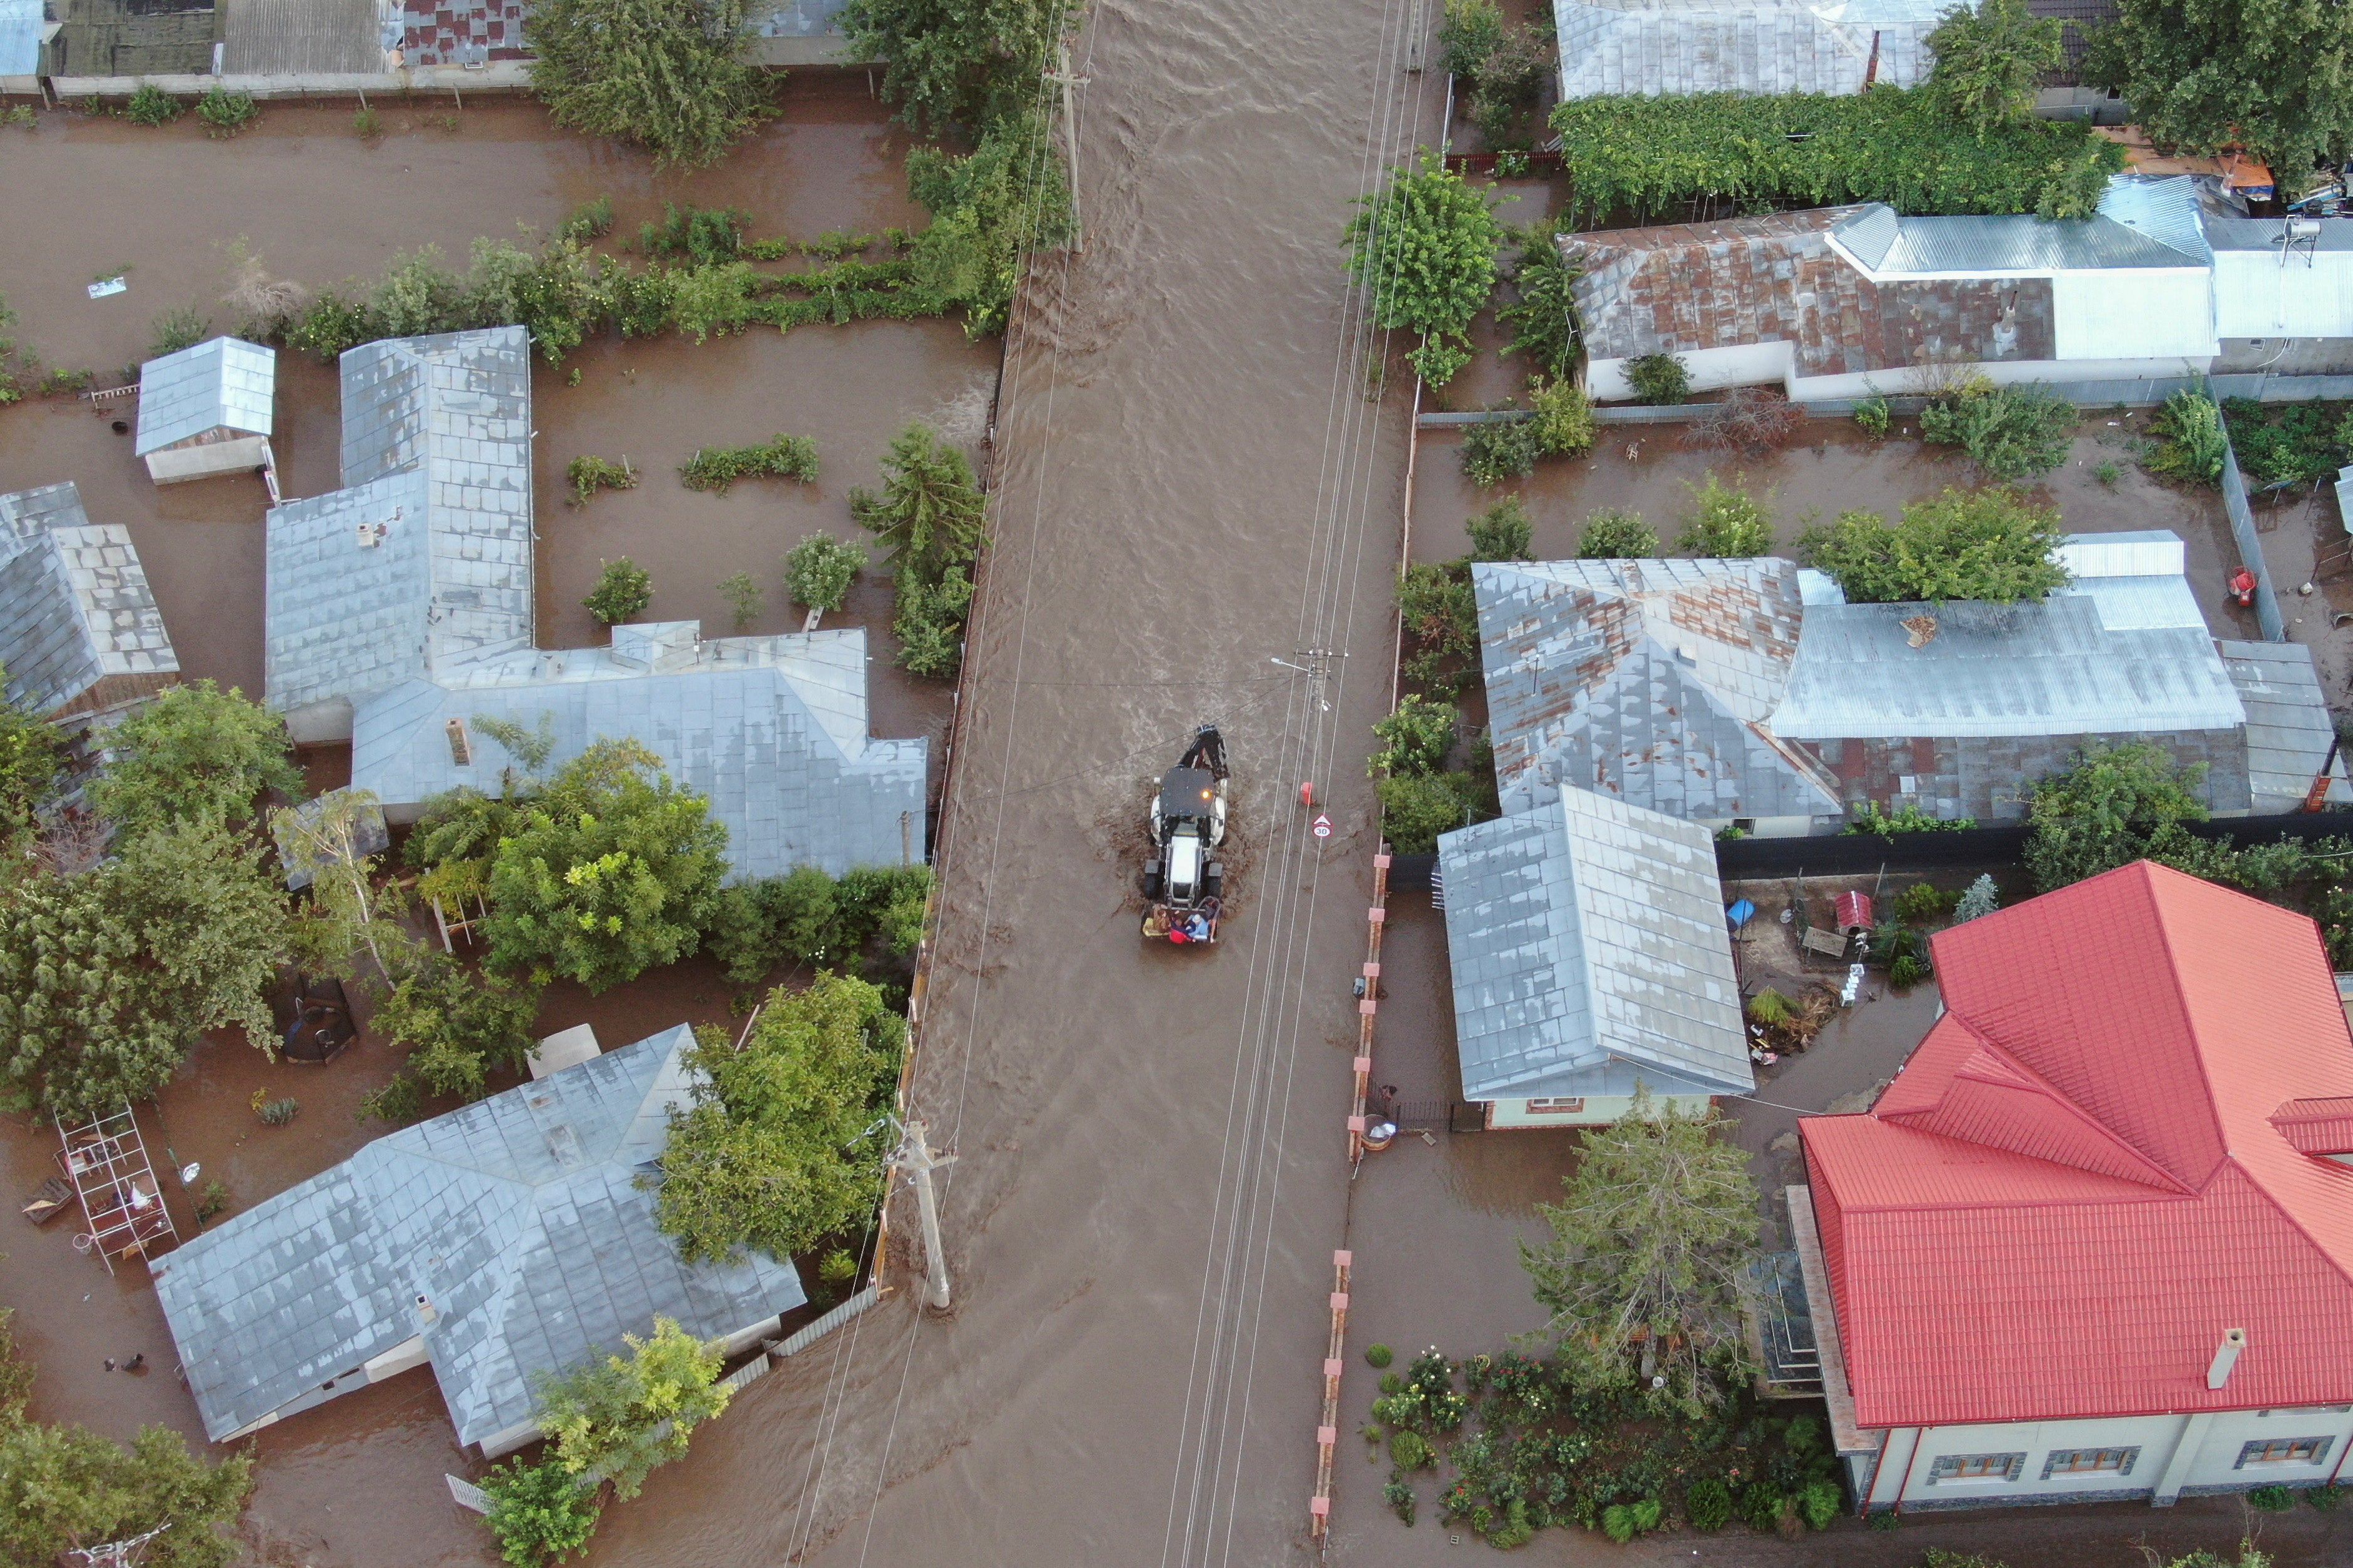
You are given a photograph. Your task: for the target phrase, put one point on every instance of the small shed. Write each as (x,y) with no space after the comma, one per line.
(206,410)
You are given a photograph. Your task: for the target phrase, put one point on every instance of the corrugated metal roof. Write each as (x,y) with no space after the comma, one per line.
(227,383)
(1588,950)
(75,606)
(1708,45)
(2263,234)
(799,19)
(1646,680)
(299,37)
(2288,724)
(20,38)
(517,1218)
(2142,222)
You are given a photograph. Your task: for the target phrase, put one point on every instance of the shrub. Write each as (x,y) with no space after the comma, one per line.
(2108,807)
(743,597)
(1771,1008)
(1868,817)
(1725,522)
(224,113)
(538,1512)
(1409,1450)
(1708,1503)
(1821,1503)
(1987,546)
(1980,900)
(1921,901)
(2010,432)
(589,220)
(1468,34)
(708,235)
(1659,379)
(623,591)
(1499,450)
(1989,63)
(1502,532)
(667,75)
(1749,421)
(399,1099)
(1564,423)
(588,475)
(2273,1499)
(1440,617)
(1378,1355)
(928,619)
(1621,1521)
(1612,534)
(838,1267)
(276,1112)
(2323,1497)
(1760,1505)
(177,330)
(819,570)
(1392,1383)
(620,1418)
(1542,320)
(1399,1495)
(2191,441)
(1416,807)
(150,105)
(2282,444)
(1907,972)
(1415,739)
(784,457)
(1874,415)
(459,1026)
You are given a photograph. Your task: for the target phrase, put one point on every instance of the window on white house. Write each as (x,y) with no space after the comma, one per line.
(1557,1105)
(2284,1451)
(2089,1461)
(1977,1468)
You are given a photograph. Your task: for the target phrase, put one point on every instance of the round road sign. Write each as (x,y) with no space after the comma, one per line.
(1323,826)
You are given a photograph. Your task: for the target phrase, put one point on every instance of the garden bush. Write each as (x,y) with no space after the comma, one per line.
(2271,1499)
(1378,1355)
(2323,1497)
(2192,443)
(1439,617)
(2015,432)
(150,105)
(819,570)
(2283,444)
(1612,534)
(707,235)
(224,113)
(1659,379)
(1409,1450)
(745,597)
(784,457)
(1564,422)
(1868,817)
(588,475)
(1500,449)
(1708,1503)
(1907,972)
(930,518)
(1542,320)
(1921,901)
(1415,739)
(1988,545)
(1502,532)
(539,1512)
(623,591)
(1821,1503)
(1981,900)
(671,76)
(179,329)
(1622,1521)
(1874,415)
(1725,522)
(1760,1505)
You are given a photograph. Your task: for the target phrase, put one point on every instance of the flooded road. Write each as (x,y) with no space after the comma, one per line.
(1152,1169)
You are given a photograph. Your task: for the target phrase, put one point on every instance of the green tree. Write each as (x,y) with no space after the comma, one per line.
(1415,739)
(1439,613)
(929,514)
(107,978)
(615,1419)
(1990,62)
(1502,532)
(65,1488)
(1612,534)
(819,570)
(31,757)
(1426,246)
(770,1154)
(2109,807)
(954,62)
(1564,422)
(1725,522)
(1990,544)
(458,1027)
(193,753)
(346,911)
(1416,807)
(2202,75)
(2010,432)
(1543,318)
(1010,196)
(623,591)
(669,76)
(2193,442)
(1646,1273)
(1659,379)
(745,597)
(611,871)
(539,1512)
(808,917)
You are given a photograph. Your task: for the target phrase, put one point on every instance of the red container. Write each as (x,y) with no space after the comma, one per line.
(1853,910)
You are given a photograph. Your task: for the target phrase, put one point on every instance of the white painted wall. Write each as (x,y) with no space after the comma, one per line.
(2145,313)
(175,465)
(1600,1110)
(1743,364)
(1911,382)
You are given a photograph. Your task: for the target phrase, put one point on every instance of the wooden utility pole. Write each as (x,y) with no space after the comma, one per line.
(1061,77)
(915,1156)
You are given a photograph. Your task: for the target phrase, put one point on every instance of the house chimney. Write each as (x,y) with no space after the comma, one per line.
(2226,1356)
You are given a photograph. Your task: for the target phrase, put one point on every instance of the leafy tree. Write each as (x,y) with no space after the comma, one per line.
(616,1419)
(1987,545)
(808,917)
(623,591)
(1646,1273)
(1502,532)
(1981,899)
(611,871)
(1440,615)
(1613,534)
(193,753)
(2011,432)
(65,1488)
(954,62)
(1543,319)
(928,620)
(1467,33)
(1725,522)
(929,514)
(2108,807)
(107,978)
(1990,62)
(346,911)
(745,597)
(31,757)
(1415,739)
(459,1026)
(16,1376)
(819,570)
(539,1512)
(1564,423)
(1010,196)
(769,1155)
(667,75)
(1659,379)
(1416,807)
(1426,244)
(2202,75)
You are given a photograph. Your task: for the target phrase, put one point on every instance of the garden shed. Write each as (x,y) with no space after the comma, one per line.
(206,410)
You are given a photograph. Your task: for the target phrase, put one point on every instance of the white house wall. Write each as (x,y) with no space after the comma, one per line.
(2210,1463)
(1598,1110)
(1742,364)
(2256,297)
(2143,314)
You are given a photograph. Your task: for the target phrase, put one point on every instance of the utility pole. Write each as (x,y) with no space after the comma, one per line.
(914,1155)
(1062,78)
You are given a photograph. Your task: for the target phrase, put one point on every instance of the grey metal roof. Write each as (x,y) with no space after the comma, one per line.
(1588,951)
(2115,652)
(227,383)
(518,1221)
(75,606)
(20,38)
(2224,233)
(2288,724)
(1657,46)
(303,37)
(437,453)
(799,19)
(2142,222)
(772,730)
(1648,681)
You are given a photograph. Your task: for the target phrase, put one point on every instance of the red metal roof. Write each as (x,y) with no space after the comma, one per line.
(2107,1152)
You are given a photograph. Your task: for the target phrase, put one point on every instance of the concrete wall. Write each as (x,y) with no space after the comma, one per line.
(499,76)
(2176,1455)
(176,465)
(1598,1110)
